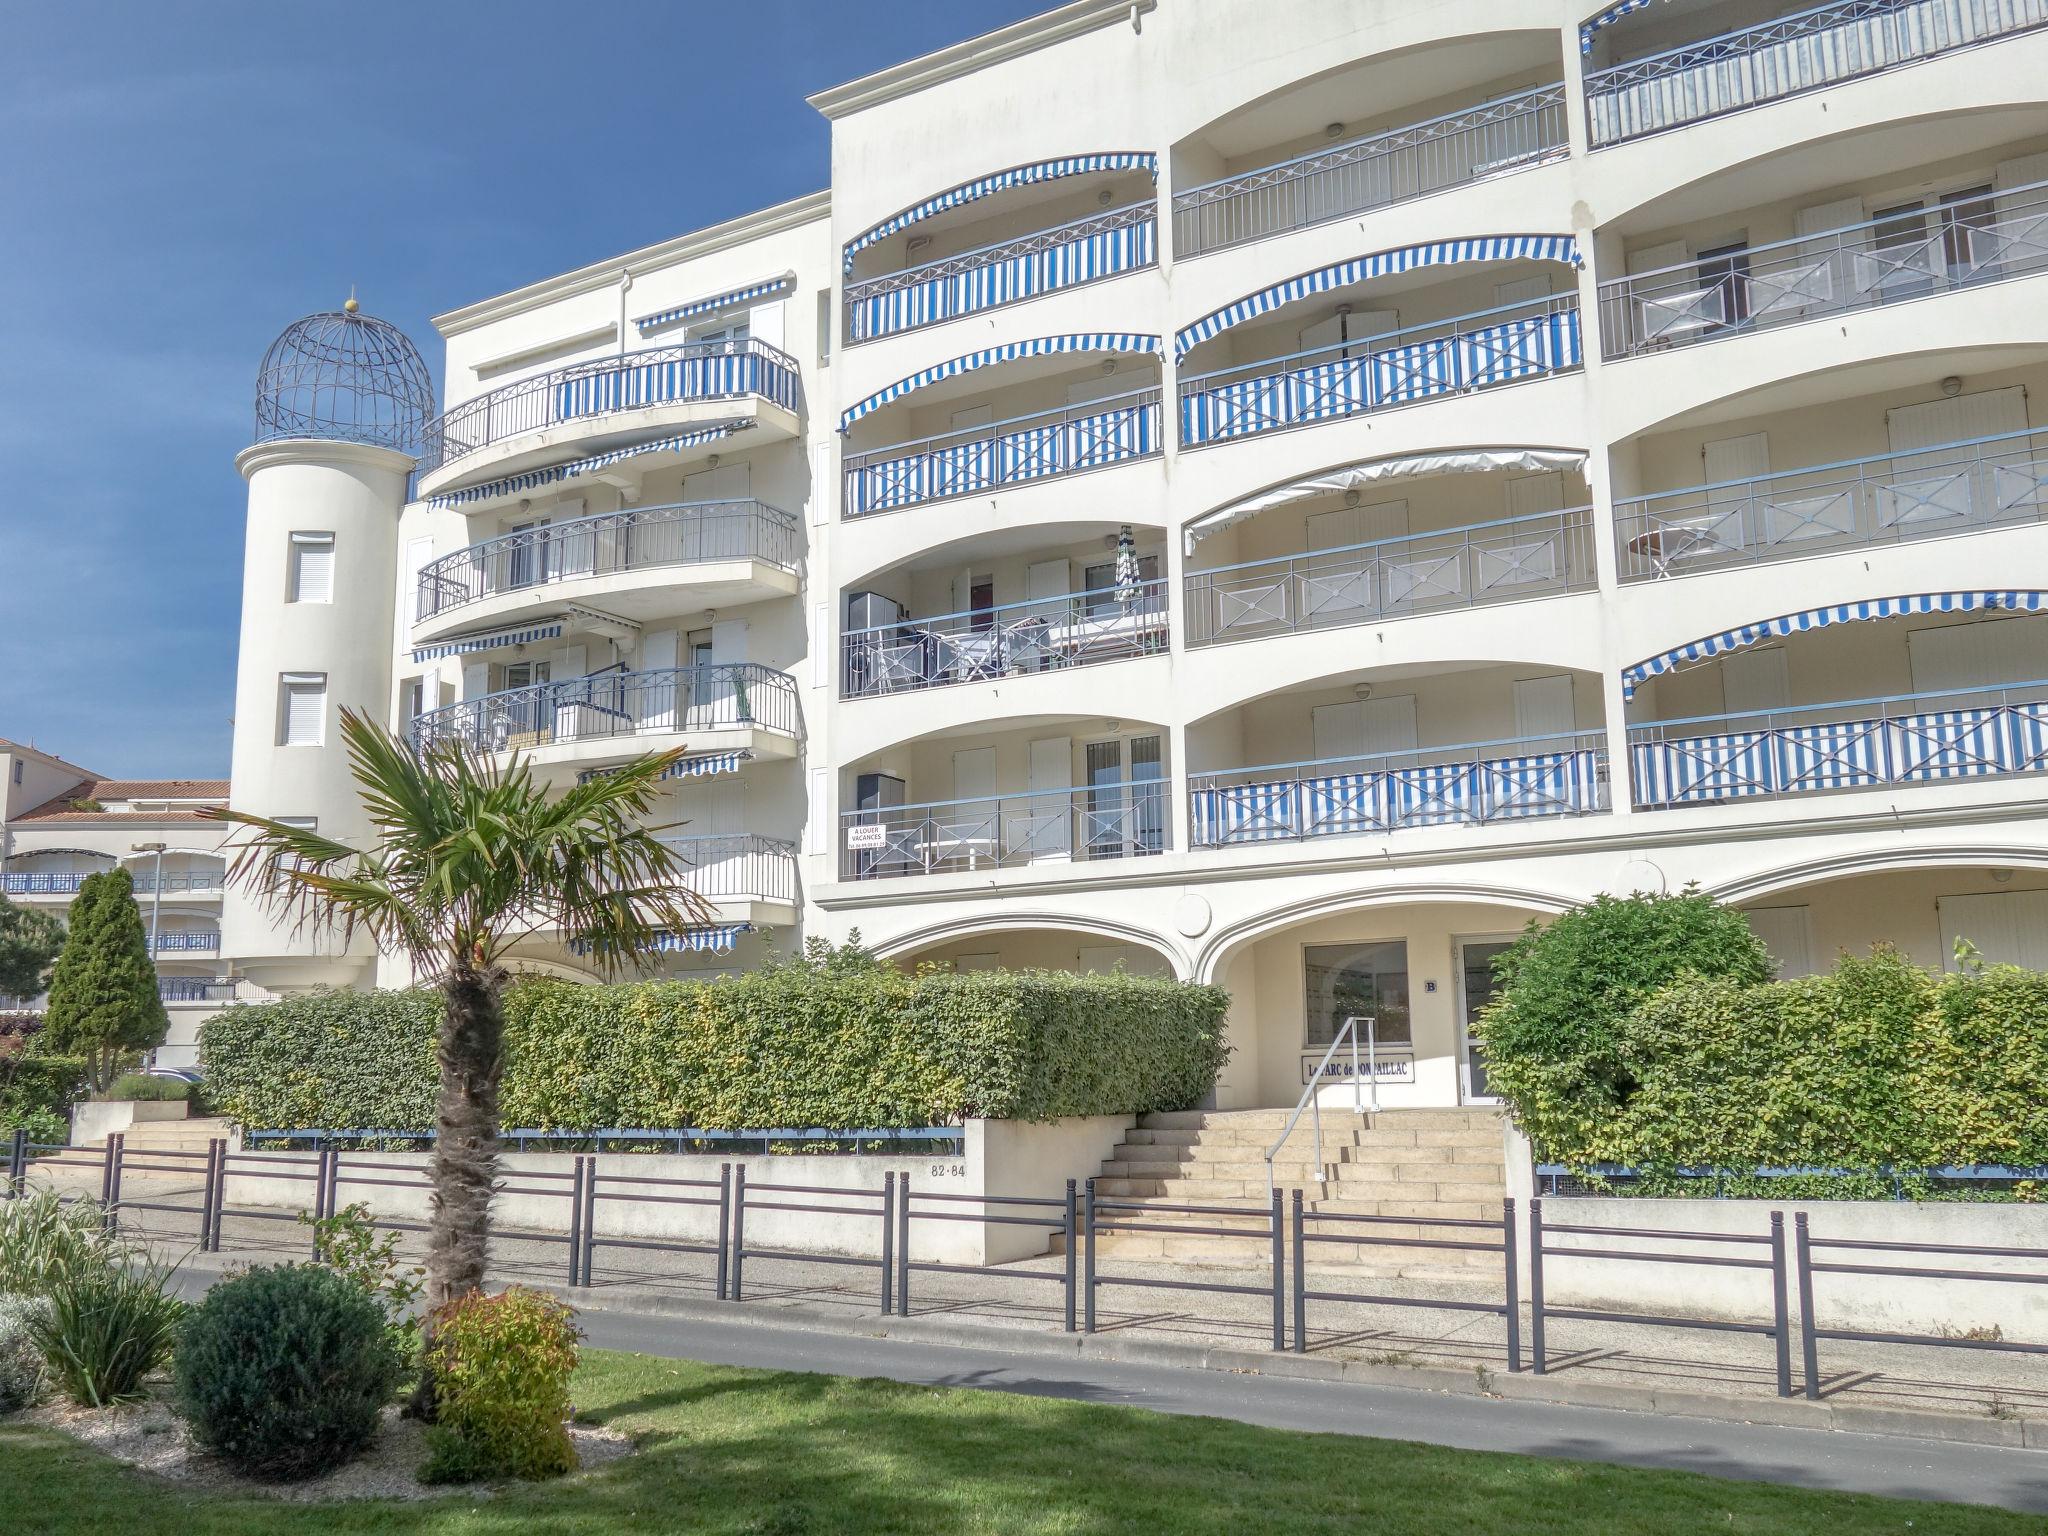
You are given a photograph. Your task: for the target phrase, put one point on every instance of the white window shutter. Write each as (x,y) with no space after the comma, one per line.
(304,708)
(312,573)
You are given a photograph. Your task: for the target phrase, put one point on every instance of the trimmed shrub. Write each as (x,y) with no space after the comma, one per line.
(106,1329)
(140,1087)
(801,1044)
(21,1362)
(501,1367)
(37,1089)
(283,1372)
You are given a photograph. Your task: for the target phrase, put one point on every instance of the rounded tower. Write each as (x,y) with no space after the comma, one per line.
(342,403)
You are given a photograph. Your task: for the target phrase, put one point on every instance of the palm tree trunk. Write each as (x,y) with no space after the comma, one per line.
(465,1162)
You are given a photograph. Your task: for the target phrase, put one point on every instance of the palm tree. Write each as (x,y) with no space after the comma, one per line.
(465,860)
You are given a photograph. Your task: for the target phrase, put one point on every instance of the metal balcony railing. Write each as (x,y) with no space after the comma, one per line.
(1536,555)
(629,381)
(1859,266)
(669,701)
(67,882)
(1888,498)
(687,533)
(738,867)
(1800,52)
(187,943)
(1421,362)
(1069,255)
(1047,634)
(1510,134)
(196,989)
(1092,435)
(1914,738)
(1040,826)
(1516,779)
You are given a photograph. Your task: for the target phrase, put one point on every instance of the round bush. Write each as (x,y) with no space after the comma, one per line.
(283,1372)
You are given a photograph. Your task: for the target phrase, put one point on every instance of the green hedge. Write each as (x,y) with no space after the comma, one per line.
(793,1046)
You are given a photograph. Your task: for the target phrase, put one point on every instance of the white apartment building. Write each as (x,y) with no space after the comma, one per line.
(1279,494)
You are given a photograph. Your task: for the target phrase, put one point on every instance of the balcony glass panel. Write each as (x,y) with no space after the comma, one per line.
(1093,435)
(723,369)
(1794,53)
(1446,357)
(1510,134)
(1916,738)
(1070,255)
(1859,266)
(1511,780)
(1047,634)
(617,703)
(740,866)
(1113,820)
(1889,498)
(1496,562)
(688,533)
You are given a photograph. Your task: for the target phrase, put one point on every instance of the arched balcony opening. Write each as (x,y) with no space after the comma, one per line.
(1369,134)
(1385,538)
(1394,751)
(179,873)
(52,873)
(1034,943)
(1398,327)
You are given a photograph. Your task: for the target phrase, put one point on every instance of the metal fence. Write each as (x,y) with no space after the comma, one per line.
(1800,52)
(66,882)
(948,1140)
(1181,1220)
(693,370)
(1616,1180)
(1036,826)
(686,533)
(731,866)
(826,1200)
(1886,498)
(187,943)
(1047,634)
(1495,137)
(1536,555)
(723,696)
(1053,1216)
(196,989)
(1914,738)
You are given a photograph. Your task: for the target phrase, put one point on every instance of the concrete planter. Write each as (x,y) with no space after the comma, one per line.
(94,1121)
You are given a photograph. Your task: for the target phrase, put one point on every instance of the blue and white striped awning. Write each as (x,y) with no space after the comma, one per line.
(701,766)
(1380,264)
(1037,346)
(534,478)
(1817,618)
(491,639)
(1016,176)
(1606,18)
(731,299)
(716,938)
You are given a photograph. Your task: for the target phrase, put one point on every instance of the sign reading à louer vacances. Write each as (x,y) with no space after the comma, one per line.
(1387,1069)
(873,835)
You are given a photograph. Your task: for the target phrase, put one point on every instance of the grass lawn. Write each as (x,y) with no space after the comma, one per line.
(777,1454)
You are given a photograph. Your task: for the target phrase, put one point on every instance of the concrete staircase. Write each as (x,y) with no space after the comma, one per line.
(1397,1163)
(174,1135)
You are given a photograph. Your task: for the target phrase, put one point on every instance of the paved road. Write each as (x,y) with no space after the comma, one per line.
(1881,1464)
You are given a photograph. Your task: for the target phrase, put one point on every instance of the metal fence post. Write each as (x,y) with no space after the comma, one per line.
(17,1161)
(1300,1282)
(110,1182)
(1802,1243)
(724,1217)
(888,1243)
(1536,1361)
(1780,1323)
(579,1225)
(903,1246)
(220,1199)
(208,1196)
(1279,1231)
(1073,1258)
(739,1230)
(1088,1259)
(1514,1284)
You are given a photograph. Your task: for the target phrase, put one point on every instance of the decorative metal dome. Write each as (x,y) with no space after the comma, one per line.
(344,376)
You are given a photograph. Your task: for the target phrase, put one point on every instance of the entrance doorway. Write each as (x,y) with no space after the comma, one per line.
(1475,990)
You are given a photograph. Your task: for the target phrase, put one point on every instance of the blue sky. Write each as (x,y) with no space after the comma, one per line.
(178,182)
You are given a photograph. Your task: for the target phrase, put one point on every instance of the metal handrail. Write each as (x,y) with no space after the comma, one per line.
(683,533)
(980,256)
(1407,162)
(621,381)
(666,700)
(1827,272)
(1991,696)
(1312,1099)
(1127,819)
(180,942)
(737,864)
(1737,69)
(60,882)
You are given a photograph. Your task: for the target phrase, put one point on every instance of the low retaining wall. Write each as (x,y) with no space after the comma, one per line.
(94,1120)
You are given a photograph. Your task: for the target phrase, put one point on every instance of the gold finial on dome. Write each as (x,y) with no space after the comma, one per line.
(351,306)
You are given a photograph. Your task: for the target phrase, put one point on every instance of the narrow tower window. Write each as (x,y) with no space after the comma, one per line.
(312,575)
(302,709)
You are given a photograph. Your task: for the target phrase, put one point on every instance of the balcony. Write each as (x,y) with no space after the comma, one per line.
(725,534)
(1050,634)
(739,870)
(1511,559)
(1493,347)
(1070,255)
(1471,785)
(67,882)
(1023,449)
(1800,52)
(630,382)
(196,989)
(1491,139)
(742,701)
(1904,739)
(1889,498)
(1032,827)
(188,943)
(1858,266)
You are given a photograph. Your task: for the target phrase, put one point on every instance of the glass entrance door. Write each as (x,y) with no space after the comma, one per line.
(1475,990)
